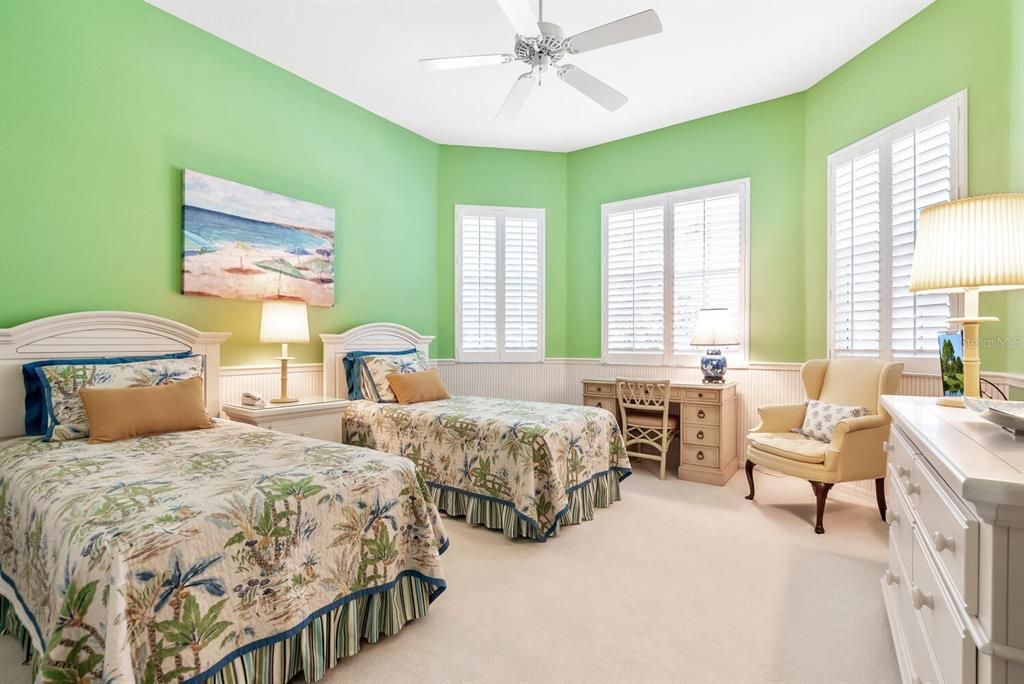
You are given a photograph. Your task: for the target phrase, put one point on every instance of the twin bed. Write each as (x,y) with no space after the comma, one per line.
(236,554)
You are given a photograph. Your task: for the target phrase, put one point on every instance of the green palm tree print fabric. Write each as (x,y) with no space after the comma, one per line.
(525,454)
(159,559)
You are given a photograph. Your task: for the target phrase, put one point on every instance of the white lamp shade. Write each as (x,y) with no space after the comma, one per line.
(715,327)
(284,322)
(976,242)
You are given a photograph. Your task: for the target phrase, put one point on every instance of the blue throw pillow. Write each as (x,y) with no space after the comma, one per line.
(352,369)
(36,412)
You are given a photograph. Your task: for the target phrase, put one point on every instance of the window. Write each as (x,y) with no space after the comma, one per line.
(665,258)
(877,189)
(499,257)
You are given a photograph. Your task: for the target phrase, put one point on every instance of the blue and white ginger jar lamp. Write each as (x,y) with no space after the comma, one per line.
(715,328)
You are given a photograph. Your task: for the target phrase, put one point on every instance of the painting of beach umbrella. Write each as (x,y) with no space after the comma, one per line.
(281,268)
(234,233)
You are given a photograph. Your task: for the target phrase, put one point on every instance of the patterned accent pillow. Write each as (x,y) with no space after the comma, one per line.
(62,383)
(821,419)
(375,369)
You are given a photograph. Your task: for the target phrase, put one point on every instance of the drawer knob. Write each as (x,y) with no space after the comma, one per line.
(891,517)
(921,599)
(700,434)
(910,488)
(902,470)
(700,413)
(700,395)
(891,577)
(700,455)
(887,446)
(941,542)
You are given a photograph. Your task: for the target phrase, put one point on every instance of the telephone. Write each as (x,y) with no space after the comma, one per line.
(253,399)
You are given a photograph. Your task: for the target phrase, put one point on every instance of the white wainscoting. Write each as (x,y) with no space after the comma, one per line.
(559,380)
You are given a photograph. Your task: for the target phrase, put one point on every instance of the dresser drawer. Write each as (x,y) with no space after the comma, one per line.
(905,622)
(698,414)
(705,396)
(898,517)
(607,403)
(700,456)
(951,645)
(901,454)
(950,530)
(599,388)
(698,435)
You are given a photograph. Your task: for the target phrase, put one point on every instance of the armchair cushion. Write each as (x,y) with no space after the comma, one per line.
(789,445)
(821,419)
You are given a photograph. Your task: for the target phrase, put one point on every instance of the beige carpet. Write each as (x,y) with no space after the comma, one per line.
(677,582)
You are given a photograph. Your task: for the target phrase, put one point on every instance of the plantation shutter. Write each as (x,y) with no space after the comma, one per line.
(635,280)
(922,174)
(500,284)
(479,284)
(522,284)
(707,262)
(857,269)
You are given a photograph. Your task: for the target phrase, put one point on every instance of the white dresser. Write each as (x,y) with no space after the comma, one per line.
(954,589)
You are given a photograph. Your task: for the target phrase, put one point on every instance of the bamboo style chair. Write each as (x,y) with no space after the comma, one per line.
(643,405)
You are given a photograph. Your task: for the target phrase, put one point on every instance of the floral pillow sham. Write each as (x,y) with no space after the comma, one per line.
(374,371)
(821,419)
(63,382)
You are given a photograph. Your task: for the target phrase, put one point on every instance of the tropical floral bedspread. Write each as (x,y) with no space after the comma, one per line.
(527,454)
(159,558)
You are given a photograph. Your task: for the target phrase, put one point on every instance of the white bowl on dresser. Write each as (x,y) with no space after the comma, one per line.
(954,588)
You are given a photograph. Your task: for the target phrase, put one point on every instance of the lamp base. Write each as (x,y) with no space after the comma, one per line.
(713,366)
(284,400)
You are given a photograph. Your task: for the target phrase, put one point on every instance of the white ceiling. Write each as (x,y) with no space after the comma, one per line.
(712,56)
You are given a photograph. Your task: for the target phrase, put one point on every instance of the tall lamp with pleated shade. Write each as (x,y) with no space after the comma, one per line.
(970,245)
(284,323)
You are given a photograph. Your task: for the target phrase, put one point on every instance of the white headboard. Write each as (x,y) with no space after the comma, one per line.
(96,334)
(369,337)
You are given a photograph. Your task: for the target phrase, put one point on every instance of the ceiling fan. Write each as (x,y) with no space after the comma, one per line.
(543,45)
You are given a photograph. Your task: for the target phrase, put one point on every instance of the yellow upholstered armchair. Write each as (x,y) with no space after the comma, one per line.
(855,452)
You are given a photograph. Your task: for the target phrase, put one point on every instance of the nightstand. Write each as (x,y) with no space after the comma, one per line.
(317,417)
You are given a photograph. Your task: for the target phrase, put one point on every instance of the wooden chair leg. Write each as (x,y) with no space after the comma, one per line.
(749,468)
(880,496)
(821,490)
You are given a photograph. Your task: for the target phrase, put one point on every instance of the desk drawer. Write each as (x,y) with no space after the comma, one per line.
(701,436)
(951,644)
(949,529)
(607,403)
(699,414)
(700,456)
(705,396)
(599,388)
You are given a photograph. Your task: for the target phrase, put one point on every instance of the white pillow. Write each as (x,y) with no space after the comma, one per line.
(820,419)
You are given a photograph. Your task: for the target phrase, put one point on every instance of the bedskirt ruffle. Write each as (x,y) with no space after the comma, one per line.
(600,491)
(312,648)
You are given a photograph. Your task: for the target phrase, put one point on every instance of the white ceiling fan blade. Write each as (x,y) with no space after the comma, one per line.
(520,16)
(645,23)
(516,97)
(594,88)
(444,63)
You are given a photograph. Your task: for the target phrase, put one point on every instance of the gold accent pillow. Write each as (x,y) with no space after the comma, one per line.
(413,388)
(121,413)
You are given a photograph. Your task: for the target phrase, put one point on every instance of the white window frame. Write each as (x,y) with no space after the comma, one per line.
(669,357)
(954,106)
(501,354)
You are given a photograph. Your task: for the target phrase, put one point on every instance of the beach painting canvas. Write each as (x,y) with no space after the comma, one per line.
(245,243)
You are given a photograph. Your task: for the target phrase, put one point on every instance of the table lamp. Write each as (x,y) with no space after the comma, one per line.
(284,323)
(715,328)
(970,245)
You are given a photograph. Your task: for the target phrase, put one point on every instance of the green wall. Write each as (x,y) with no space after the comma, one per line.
(103,104)
(952,45)
(510,178)
(763,142)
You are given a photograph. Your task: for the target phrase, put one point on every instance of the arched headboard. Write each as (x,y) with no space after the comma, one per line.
(91,334)
(369,337)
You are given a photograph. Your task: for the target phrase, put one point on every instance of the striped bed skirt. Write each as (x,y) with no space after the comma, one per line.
(312,649)
(600,491)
